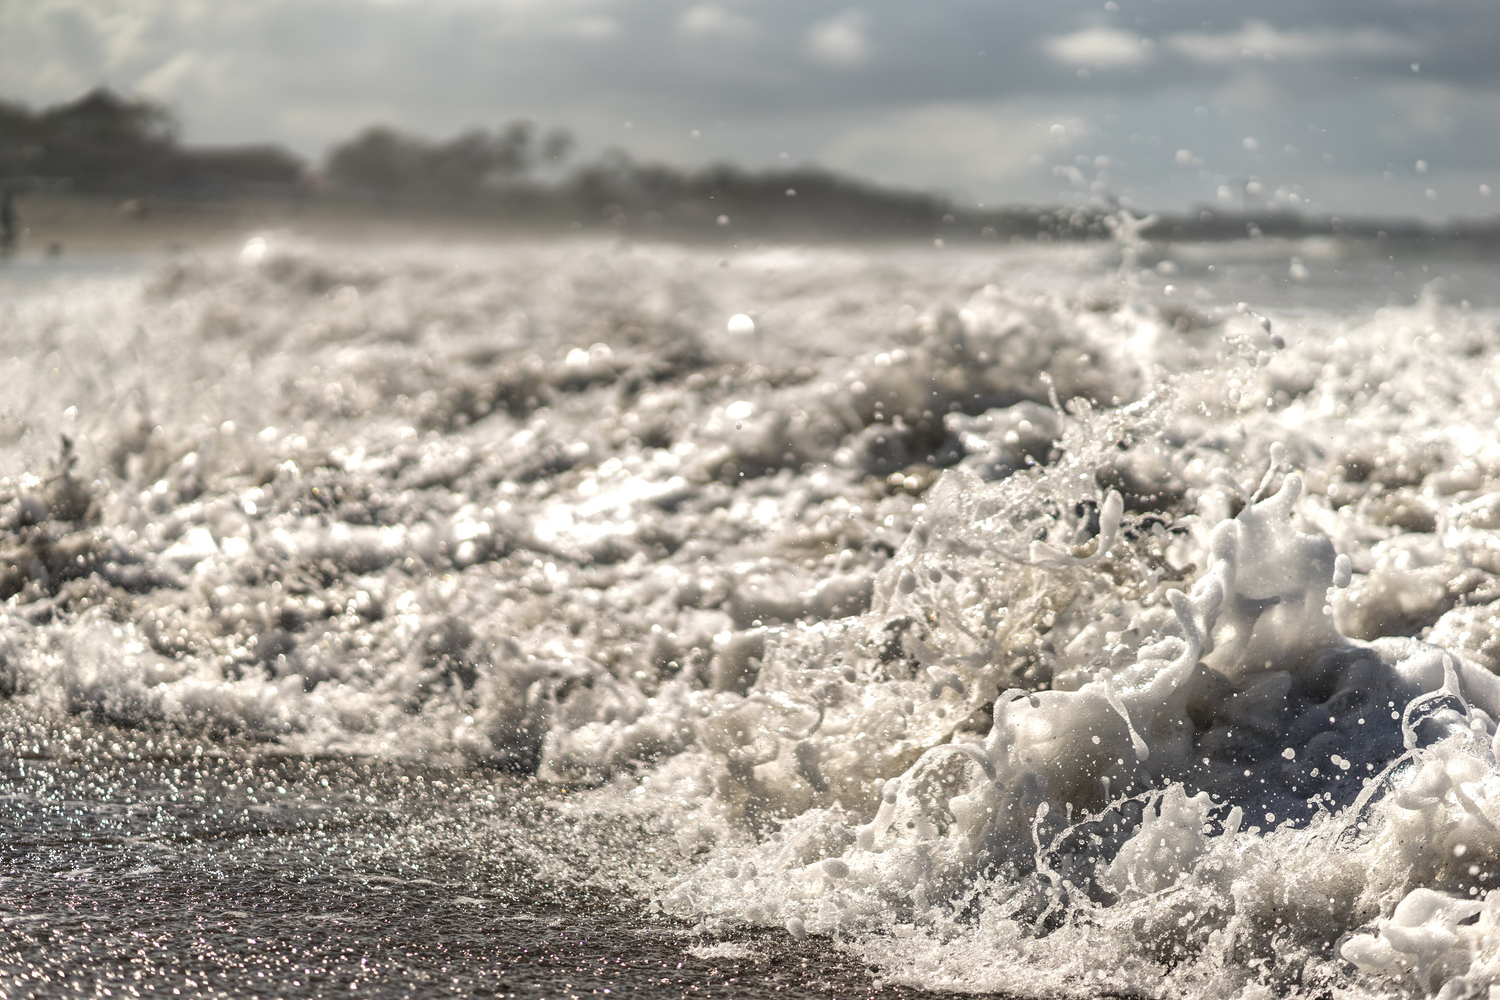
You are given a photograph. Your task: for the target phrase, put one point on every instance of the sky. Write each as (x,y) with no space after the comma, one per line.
(1345,107)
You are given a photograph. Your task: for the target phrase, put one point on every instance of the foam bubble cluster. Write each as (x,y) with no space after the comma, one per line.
(1017,629)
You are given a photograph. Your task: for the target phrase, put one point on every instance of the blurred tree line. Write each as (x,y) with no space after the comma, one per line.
(105,144)
(495,171)
(385,162)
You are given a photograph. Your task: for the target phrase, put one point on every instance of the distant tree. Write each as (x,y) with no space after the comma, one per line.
(378,159)
(459,166)
(18,145)
(384,161)
(105,142)
(557,146)
(615,187)
(512,150)
(99,142)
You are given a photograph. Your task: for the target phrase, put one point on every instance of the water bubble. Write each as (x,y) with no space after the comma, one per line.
(741,325)
(1343,571)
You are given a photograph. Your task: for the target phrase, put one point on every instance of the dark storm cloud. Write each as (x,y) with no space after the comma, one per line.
(837,81)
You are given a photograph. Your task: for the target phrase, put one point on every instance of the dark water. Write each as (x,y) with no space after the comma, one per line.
(130,869)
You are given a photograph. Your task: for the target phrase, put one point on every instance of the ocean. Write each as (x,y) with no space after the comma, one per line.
(558,618)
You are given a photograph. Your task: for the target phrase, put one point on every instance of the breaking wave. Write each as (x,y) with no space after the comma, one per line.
(1014,622)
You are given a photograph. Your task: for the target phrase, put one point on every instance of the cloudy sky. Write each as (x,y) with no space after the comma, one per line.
(1349,106)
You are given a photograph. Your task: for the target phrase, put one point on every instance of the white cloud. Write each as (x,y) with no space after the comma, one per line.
(840,40)
(974,147)
(168,79)
(1099,47)
(1259,40)
(709,20)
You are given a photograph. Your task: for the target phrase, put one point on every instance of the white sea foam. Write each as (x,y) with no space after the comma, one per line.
(1024,629)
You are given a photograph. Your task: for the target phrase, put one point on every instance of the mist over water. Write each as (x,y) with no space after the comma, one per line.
(1047,620)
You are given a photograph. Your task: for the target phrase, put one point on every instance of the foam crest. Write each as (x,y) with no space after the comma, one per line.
(1247,716)
(1019,629)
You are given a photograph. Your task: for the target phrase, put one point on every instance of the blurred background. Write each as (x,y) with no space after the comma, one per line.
(731,119)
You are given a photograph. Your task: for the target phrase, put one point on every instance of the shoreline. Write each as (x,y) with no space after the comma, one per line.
(53,224)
